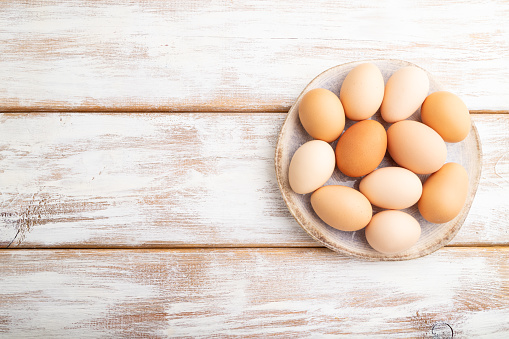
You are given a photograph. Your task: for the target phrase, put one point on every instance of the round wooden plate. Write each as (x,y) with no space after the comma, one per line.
(434,236)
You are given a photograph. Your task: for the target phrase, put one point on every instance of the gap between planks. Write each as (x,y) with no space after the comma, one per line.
(223,247)
(494,248)
(270,109)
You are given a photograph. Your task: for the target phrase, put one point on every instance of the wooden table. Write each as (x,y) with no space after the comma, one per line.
(138,192)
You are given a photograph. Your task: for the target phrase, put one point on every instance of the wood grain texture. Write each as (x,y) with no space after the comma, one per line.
(179,180)
(101,180)
(237,56)
(250,293)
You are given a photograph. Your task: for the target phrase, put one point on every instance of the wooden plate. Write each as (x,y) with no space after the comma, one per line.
(434,236)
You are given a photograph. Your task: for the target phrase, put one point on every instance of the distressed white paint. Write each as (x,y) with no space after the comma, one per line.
(250,292)
(243,55)
(180,180)
(99,180)
(57,302)
(494,183)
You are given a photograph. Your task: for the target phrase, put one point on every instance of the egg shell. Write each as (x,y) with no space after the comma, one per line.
(362,91)
(361,148)
(391,188)
(405,91)
(321,114)
(444,194)
(342,207)
(447,114)
(416,147)
(392,232)
(311,166)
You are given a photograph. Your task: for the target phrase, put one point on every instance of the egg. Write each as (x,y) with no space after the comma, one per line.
(341,207)
(416,147)
(392,232)
(405,91)
(361,148)
(391,188)
(311,166)
(362,91)
(447,114)
(321,114)
(444,194)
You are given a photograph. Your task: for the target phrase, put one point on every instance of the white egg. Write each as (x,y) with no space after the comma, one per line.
(311,166)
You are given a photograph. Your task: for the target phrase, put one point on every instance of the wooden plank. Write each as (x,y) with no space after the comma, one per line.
(250,293)
(241,56)
(179,180)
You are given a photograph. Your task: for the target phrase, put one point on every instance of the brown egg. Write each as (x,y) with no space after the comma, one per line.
(392,231)
(321,114)
(361,148)
(342,207)
(362,92)
(447,114)
(444,194)
(416,147)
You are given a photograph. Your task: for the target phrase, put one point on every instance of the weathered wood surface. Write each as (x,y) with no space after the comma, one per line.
(279,293)
(179,180)
(242,55)
(94,180)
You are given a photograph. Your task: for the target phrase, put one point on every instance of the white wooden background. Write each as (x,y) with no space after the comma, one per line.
(137,189)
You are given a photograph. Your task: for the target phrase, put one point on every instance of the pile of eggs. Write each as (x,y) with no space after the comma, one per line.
(417,147)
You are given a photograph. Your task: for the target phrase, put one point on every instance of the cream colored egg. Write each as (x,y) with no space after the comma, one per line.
(391,188)
(362,92)
(416,146)
(311,166)
(392,232)
(341,207)
(405,92)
